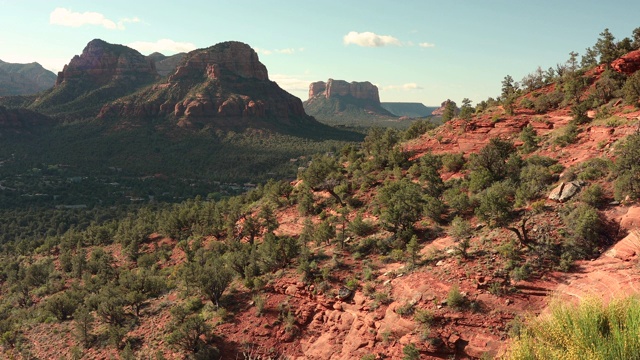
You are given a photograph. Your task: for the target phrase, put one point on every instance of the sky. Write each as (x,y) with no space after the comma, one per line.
(413,50)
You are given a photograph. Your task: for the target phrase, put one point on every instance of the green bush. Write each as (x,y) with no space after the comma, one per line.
(455,299)
(529,139)
(593,195)
(423,316)
(594,169)
(588,331)
(586,229)
(457,199)
(453,161)
(627,168)
(410,352)
(361,227)
(569,136)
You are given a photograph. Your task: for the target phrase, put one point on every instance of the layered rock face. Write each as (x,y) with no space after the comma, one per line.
(340,88)
(101,63)
(225,81)
(235,58)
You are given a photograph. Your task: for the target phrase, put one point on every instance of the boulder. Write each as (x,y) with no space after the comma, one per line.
(565,191)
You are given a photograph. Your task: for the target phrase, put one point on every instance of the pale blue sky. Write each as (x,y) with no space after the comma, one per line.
(427,51)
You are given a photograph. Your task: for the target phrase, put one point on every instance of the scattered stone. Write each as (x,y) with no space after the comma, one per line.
(291,290)
(344,293)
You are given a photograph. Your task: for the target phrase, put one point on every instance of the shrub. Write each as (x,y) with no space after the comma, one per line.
(259,301)
(594,169)
(579,112)
(61,305)
(527,103)
(457,199)
(589,330)
(495,204)
(529,139)
(360,227)
(423,316)
(593,195)
(627,168)
(455,299)
(410,352)
(546,102)
(586,229)
(406,309)
(631,89)
(453,161)
(569,136)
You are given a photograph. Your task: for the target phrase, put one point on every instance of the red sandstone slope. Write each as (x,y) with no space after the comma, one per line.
(305,321)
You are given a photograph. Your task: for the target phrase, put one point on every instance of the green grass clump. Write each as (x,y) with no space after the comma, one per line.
(590,330)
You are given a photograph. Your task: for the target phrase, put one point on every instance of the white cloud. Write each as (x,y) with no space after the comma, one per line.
(65,17)
(426,45)
(407,86)
(287,51)
(291,83)
(127,20)
(166,45)
(369,39)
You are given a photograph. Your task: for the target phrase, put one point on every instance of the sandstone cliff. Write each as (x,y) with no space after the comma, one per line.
(340,88)
(219,85)
(338,102)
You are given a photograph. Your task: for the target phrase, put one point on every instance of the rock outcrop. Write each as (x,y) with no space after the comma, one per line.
(627,64)
(24,79)
(439,111)
(101,63)
(339,102)
(220,84)
(340,88)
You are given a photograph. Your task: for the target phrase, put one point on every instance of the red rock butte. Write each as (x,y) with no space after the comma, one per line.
(340,88)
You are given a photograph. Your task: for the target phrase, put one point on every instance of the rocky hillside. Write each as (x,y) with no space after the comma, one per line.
(24,79)
(344,103)
(425,244)
(223,85)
